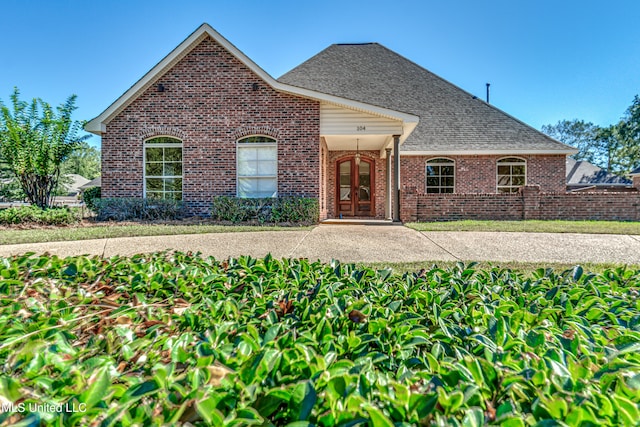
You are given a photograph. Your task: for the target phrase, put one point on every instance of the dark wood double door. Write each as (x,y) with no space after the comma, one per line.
(355,189)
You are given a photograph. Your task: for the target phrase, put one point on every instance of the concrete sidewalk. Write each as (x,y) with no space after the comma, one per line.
(366,243)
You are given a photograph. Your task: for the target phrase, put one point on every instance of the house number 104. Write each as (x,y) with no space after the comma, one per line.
(361,128)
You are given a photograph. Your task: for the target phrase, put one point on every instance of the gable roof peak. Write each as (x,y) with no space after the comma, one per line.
(98,124)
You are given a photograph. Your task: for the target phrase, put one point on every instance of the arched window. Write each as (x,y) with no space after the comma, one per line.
(440,175)
(512,174)
(163,168)
(257,167)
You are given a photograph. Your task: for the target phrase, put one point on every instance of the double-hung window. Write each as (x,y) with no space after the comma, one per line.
(257,172)
(163,168)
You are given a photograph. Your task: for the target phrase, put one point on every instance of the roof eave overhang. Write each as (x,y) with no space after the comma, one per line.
(98,124)
(505,152)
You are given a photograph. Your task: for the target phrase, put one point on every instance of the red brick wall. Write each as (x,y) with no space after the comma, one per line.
(477,174)
(452,207)
(624,206)
(528,204)
(209,103)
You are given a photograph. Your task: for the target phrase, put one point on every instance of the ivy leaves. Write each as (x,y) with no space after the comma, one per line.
(177,338)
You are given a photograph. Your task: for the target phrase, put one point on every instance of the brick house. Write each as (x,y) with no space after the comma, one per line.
(357,126)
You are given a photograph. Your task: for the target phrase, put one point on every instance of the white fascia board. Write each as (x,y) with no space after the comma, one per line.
(98,124)
(487,152)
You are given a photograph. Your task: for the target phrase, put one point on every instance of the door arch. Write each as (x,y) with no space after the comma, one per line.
(355,187)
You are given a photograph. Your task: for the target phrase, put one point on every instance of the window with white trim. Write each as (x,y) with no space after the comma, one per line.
(512,174)
(163,168)
(440,175)
(257,167)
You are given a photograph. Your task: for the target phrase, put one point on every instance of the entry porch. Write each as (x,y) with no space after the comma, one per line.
(359,162)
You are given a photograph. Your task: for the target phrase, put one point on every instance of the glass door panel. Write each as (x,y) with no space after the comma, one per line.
(354,192)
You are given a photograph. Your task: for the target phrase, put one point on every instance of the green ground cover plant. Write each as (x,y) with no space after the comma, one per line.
(174,338)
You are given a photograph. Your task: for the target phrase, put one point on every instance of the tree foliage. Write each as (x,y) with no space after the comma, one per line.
(579,134)
(628,136)
(35,139)
(84,161)
(615,148)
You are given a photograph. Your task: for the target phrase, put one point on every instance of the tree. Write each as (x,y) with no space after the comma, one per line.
(85,161)
(35,140)
(615,148)
(628,136)
(581,135)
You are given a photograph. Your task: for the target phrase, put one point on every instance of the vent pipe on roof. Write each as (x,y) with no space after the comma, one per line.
(488,84)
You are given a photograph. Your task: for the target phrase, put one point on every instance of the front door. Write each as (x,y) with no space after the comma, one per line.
(355,187)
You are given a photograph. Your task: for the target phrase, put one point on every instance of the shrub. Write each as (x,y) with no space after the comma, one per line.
(244,341)
(295,209)
(89,197)
(299,210)
(36,215)
(11,191)
(131,208)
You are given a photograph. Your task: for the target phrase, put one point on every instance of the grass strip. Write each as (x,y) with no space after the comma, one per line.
(525,268)
(532,226)
(60,234)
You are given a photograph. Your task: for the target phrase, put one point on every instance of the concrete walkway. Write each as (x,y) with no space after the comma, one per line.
(366,243)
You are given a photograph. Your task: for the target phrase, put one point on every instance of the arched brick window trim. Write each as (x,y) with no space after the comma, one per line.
(440,175)
(153,131)
(243,131)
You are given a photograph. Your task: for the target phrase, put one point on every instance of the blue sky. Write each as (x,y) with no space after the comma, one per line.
(546,60)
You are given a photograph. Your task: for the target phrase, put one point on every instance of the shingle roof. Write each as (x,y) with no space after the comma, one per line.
(95,182)
(636,171)
(450,119)
(584,173)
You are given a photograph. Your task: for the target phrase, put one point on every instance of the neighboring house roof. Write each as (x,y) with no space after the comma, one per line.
(95,182)
(582,173)
(452,121)
(73,187)
(98,124)
(636,171)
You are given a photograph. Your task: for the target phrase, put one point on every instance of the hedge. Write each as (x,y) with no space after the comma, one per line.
(35,215)
(288,209)
(131,208)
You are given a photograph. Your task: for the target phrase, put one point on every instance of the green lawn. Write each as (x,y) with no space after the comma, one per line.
(56,234)
(532,226)
(9,236)
(525,268)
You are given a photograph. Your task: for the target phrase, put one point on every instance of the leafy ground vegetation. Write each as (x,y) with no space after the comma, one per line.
(177,339)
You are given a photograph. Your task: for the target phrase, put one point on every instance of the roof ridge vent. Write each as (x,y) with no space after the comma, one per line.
(355,44)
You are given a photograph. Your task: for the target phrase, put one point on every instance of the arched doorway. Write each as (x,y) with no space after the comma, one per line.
(355,187)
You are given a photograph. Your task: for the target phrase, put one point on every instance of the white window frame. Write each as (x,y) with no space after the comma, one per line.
(438,161)
(148,144)
(273,143)
(513,161)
